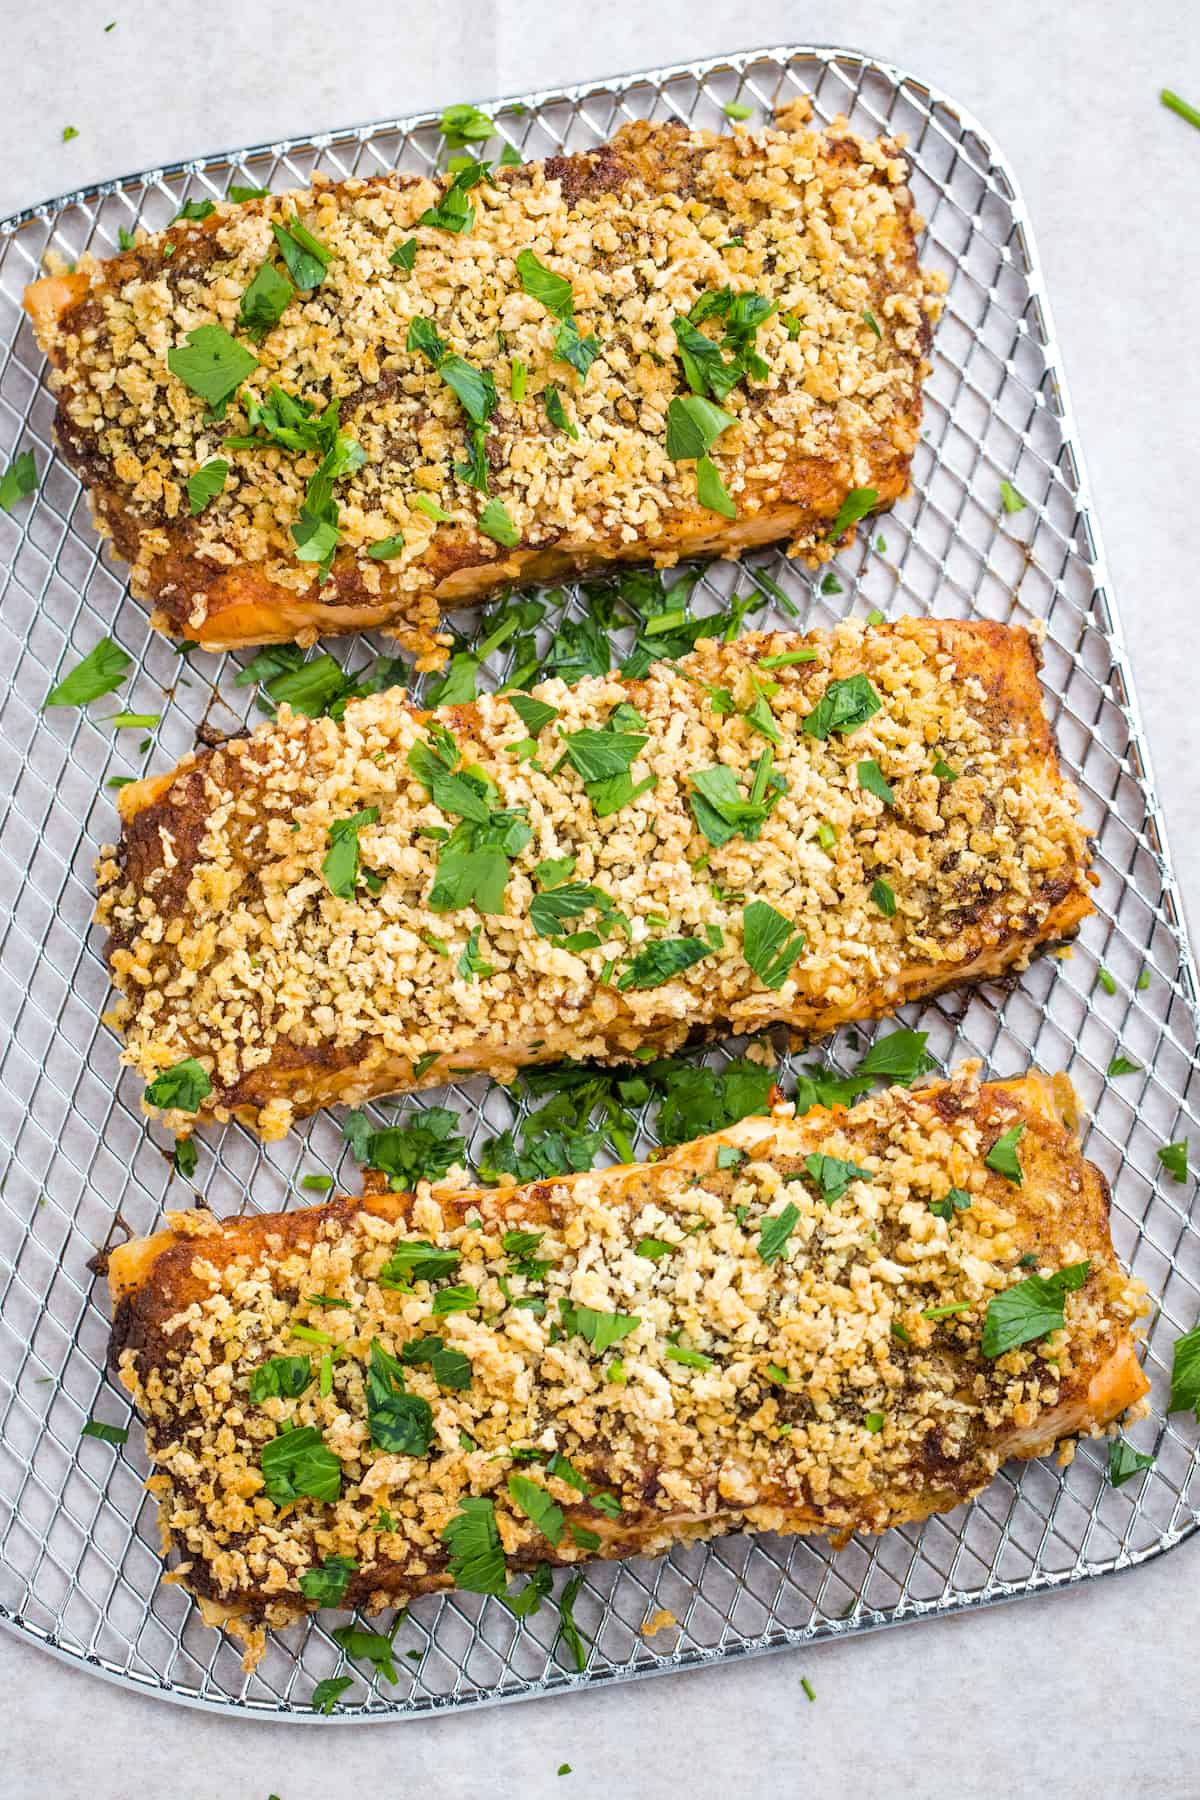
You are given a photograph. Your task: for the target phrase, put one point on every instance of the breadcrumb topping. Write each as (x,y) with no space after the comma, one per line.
(818,223)
(838,1385)
(228,945)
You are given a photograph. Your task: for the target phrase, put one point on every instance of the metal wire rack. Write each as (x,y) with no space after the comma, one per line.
(79,1569)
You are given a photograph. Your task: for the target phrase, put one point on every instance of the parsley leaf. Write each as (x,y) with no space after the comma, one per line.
(369,1646)
(534,715)
(211,364)
(297,1463)
(1173,1158)
(449,1368)
(721,811)
(205,483)
(475,388)
(464,124)
(239,195)
(899,1057)
(495,522)
(884,897)
(470,964)
(386,548)
(711,491)
(556,412)
(400,1422)
(108,1434)
(1002,1157)
(693,426)
(528,1600)
(775,1231)
(327,1585)
(423,1150)
(1124,1462)
(1122,1065)
(653,1248)
(538,1507)
(264,302)
(476,1558)
(18,480)
(306,259)
(691,1359)
(768,943)
(99,672)
(1011,501)
(844,706)
(855,506)
(1031,1309)
(580,352)
(454,212)
(661,960)
(833,1176)
(1185,1374)
(180,1088)
(871,778)
(552,291)
(601,1329)
(341,863)
(329,1691)
(956,1200)
(280,1378)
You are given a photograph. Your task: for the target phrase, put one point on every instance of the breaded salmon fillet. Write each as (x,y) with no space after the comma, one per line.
(788,829)
(829,1324)
(364,403)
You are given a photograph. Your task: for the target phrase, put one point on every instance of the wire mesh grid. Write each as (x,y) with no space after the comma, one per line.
(79,1569)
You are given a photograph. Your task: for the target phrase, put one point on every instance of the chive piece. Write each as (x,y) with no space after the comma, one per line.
(317,1184)
(807,1685)
(1171,101)
(1105,980)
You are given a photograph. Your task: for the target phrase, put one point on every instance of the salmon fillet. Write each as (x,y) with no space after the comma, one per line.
(238,954)
(571,445)
(745,1334)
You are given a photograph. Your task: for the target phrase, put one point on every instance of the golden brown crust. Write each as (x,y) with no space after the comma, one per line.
(821,223)
(826,1399)
(227,945)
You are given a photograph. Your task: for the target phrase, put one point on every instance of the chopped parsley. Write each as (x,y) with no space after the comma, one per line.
(327,1585)
(693,426)
(18,481)
(495,522)
(280,1378)
(600,1329)
(205,483)
(532,1499)
(1185,1374)
(264,302)
(552,291)
(1003,1158)
(855,506)
(737,109)
(556,412)
(476,1558)
(844,706)
(769,944)
(884,897)
(423,1150)
(569,1633)
(185,1157)
(329,1691)
(1011,501)
(370,1646)
(871,778)
(1173,1158)
(101,671)
(180,1088)
(449,1368)
(1030,1310)
(299,1463)
(1124,1462)
(340,867)
(1122,1065)
(832,1175)
(690,1359)
(775,1231)
(720,809)
(401,1423)
(212,365)
(661,960)
(465,124)
(956,1200)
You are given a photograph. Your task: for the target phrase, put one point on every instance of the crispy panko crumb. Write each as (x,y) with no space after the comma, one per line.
(228,946)
(835,1384)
